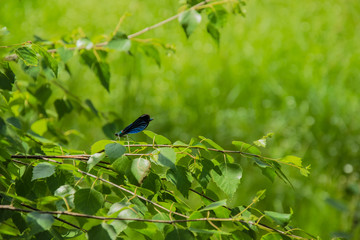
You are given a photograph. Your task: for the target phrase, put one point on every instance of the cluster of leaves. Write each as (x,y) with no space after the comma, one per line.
(161,190)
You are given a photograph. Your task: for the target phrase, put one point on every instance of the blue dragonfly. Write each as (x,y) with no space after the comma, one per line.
(137,126)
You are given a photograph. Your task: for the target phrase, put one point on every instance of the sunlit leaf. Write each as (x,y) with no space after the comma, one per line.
(49,60)
(94,159)
(140,168)
(227,177)
(282,219)
(245,147)
(189,20)
(158,139)
(120,42)
(100,146)
(27,55)
(214,205)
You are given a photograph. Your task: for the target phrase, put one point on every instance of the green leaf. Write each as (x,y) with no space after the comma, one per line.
(102,71)
(120,42)
(262,141)
(7,79)
(89,103)
(271,236)
(158,139)
(214,205)
(282,219)
(140,168)
(43,170)
(217,15)
(179,177)
(227,177)
(49,60)
(100,146)
(84,43)
(189,20)
(88,200)
(211,143)
(245,147)
(63,107)
(195,224)
(39,222)
(292,159)
(94,159)
(65,54)
(153,53)
(43,93)
(114,151)
(167,157)
(40,126)
(121,165)
(2,126)
(103,231)
(98,66)
(269,173)
(64,191)
(214,32)
(179,234)
(27,55)
(161,216)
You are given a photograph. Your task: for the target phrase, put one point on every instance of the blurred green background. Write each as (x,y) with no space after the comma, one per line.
(288,67)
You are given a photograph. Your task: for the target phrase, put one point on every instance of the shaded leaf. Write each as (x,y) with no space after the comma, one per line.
(102,71)
(63,107)
(179,177)
(179,234)
(272,236)
(89,103)
(43,170)
(214,32)
(102,231)
(88,200)
(114,151)
(39,222)
(153,53)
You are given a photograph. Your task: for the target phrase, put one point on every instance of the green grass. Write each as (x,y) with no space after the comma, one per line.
(289,67)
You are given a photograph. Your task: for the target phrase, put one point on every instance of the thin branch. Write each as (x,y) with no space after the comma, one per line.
(12,208)
(132,193)
(13,57)
(59,219)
